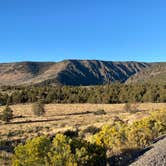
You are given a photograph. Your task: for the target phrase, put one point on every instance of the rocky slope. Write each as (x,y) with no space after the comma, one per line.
(68,72)
(154,157)
(155,73)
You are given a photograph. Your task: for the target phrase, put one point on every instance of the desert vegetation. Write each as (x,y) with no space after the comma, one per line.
(111,141)
(82,126)
(104,127)
(108,94)
(7,114)
(38,108)
(57,109)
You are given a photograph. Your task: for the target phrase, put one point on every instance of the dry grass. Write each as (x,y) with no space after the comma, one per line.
(5,158)
(60,117)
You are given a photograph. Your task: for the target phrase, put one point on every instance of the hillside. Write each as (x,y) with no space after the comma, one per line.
(68,72)
(155,73)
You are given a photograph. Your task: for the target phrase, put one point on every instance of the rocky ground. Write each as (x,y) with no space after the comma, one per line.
(156,156)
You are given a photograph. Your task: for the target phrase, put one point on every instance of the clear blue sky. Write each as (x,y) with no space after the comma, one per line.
(53,30)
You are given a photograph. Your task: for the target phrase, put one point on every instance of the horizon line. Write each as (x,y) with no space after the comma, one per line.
(76,59)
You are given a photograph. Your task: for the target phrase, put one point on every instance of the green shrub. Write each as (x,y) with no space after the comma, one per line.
(60,154)
(38,109)
(62,151)
(131,108)
(34,152)
(7,114)
(100,112)
(120,137)
(111,140)
(159,117)
(140,134)
(113,137)
(87,153)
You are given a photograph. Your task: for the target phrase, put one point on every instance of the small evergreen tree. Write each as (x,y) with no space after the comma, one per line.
(7,114)
(38,109)
(131,108)
(127,107)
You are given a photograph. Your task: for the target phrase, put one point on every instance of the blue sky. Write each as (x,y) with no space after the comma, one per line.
(53,30)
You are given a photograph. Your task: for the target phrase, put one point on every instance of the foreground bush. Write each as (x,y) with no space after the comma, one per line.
(113,137)
(34,152)
(121,137)
(62,151)
(112,140)
(141,133)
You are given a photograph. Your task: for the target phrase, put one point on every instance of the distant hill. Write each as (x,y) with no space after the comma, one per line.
(69,72)
(155,73)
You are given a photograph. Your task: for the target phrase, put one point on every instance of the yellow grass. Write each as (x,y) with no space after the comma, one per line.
(60,117)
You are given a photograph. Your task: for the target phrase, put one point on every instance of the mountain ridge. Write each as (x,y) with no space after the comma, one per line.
(156,73)
(69,72)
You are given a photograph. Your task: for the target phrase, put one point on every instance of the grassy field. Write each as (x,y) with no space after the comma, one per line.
(62,117)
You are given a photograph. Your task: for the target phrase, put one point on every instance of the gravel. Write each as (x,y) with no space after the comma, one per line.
(156,156)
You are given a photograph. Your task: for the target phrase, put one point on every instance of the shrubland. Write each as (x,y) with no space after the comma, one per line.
(61,151)
(121,137)
(71,148)
(111,140)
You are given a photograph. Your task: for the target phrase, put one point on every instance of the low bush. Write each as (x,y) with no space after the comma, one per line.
(119,137)
(131,108)
(38,109)
(112,140)
(7,114)
(113,137)
(61,151)
(100,112)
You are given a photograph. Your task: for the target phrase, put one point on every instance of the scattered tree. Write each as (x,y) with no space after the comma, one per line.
(38,109)
(131,108)
(7,114)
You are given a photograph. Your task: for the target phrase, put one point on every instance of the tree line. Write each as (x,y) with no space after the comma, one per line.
(108,94)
